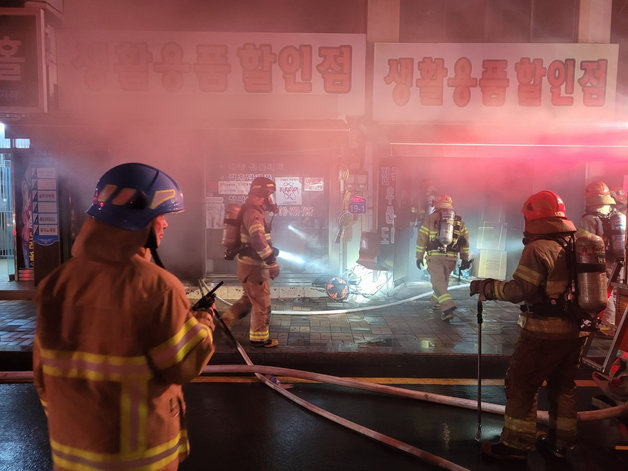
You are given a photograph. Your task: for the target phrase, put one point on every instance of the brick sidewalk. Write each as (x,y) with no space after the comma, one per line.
(308,324)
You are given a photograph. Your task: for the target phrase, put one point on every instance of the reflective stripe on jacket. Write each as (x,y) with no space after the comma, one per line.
(542,273)
(115,340)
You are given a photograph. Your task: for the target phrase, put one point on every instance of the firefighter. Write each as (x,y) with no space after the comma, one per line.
(115,337)
(257,264)
(602,219)
(549,343)
(442,237)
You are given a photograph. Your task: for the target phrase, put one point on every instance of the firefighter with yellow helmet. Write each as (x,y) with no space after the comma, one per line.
(550,339)
(442,238)
(257,263)
(602,218)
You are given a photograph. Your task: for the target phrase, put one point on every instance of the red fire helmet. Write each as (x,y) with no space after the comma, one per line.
(544,204)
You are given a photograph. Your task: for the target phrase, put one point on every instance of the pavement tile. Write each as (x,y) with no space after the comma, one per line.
(409,327)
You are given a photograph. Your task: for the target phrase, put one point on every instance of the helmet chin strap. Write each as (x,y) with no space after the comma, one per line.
(151,244)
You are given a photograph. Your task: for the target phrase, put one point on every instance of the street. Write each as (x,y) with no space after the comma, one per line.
(236,422)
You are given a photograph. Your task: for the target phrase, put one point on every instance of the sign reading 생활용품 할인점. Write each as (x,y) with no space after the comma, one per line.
(494,82)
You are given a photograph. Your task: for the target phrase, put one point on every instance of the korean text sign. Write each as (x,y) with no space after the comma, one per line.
(219,75)
(485,82)
(22,83)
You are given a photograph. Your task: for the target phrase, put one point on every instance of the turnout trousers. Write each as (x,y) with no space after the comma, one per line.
(535,360)
(440,267)
(255,281)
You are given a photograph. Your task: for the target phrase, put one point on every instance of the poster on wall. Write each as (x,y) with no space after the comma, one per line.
(215,212)
(289,191)
(313,184)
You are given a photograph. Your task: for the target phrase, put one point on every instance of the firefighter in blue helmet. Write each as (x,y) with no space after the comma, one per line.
(257,263)
(115,336)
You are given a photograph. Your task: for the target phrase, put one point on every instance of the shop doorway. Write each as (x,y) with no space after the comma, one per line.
(7,239)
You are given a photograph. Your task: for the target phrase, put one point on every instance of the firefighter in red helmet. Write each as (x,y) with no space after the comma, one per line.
(549,342)
(257,263)
(442,237)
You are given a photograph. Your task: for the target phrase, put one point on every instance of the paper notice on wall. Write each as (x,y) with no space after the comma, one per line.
(314,184)
(215,212)
(289,191)
(233,187)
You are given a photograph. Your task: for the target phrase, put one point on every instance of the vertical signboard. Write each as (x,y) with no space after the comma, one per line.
(388,195)
(22,79)
(45,212)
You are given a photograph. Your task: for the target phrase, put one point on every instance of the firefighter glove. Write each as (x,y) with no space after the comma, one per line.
(206,318)
(482,287)
(465,264)
(419,263)
(273,270)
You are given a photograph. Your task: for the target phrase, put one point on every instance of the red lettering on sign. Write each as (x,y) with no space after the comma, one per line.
(257,62)
(494,82)
(593,82)
(462,81)
(529,75)
(93,57)
(132,66)
(335,68)
(212,67)
(400,71)
(10,62)
(292,60)
(172,66)
(432,72)
(558,74)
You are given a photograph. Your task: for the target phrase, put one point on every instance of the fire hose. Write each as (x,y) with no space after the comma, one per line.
(429,457)
(260,370)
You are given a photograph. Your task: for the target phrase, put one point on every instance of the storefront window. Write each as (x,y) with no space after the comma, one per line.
(300,229)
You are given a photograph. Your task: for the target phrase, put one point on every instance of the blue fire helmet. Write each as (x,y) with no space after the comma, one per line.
(130,196)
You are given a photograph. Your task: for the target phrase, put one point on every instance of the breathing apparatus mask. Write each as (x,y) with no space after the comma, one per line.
(269,204)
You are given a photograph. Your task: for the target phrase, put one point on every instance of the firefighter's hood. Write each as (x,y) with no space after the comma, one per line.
(549,226)
(103,242)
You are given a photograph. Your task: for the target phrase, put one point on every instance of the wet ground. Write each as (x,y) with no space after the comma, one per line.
(392,338)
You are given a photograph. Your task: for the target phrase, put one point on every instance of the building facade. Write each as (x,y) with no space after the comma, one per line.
(359,110)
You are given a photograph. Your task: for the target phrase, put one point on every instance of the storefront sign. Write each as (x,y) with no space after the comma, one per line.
(357,205)
(494,82)
(22,82)
(388,195)
(44,202)
(213,75)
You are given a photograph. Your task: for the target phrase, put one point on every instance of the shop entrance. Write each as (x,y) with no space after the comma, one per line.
(7,239)
(300,230)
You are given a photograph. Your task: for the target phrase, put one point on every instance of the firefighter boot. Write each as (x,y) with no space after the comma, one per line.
(270,343)
(448,314)
(546,445)
(499,451)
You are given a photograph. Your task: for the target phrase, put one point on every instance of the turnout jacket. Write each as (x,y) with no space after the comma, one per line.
(115,340)
(426,241)
(255,236)
(540,281)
